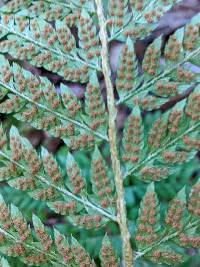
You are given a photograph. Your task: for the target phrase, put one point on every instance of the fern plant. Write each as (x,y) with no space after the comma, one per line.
(72,39)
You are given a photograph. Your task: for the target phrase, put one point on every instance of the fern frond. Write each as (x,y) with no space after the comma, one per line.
(181,221)
(95,107)
(102,185)
(88,39)
(108,256)
(35,100)
(135,18)
(118,17)
(127,76)
(161,81)
(38,248)
(148,220)
(38,42)
(161,94)
(47,9)
(42,179)
(171,140)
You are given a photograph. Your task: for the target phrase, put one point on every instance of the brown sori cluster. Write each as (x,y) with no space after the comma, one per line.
(80,74)
(6,19)
(96,108)
(11,105)
(33,85)
(147,221)
(49,34)
(175,214)
(55,65)
(35,29)
(22,23)
(108,257)
(37,7)
(25,183)
(82,141)
(22,228)
(184,75)
(102,183)
(194,200)
(89,38)
(6,73)
(126,72)
(36,259)
(166,88)
(2,238)
(73,18)
(137,4)
(5,218)
(189,241)
(54,13)
(45,239)
(157,134)
(25,52)
(30,113)
(51,13)
(64,249)
(154,15)
(133,138)
(7,45)
(14,5)
(43,58)
(17,148)
(65,208)
(9,171)
(20,81)
(82,258)
(173,49)
(135,32)
(16,250)
(66,39)
(3,139)
(174,156)
(151,60)
(51,168)
(191,37)
(168,257)
(174,121)
(63,131)
(154,173)
(71,103)
(148,102)
(76,178)
(46,194)
(193,106)
(52,97)
(191,143)
(32,159)
(88,221)
(48,122)
(117,12)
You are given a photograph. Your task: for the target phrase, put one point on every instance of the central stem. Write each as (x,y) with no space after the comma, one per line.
(121,206)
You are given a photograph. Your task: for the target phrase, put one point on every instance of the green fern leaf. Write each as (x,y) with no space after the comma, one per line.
(37,248)
(42,179)
(108,256)
(179,228)
(168,141)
